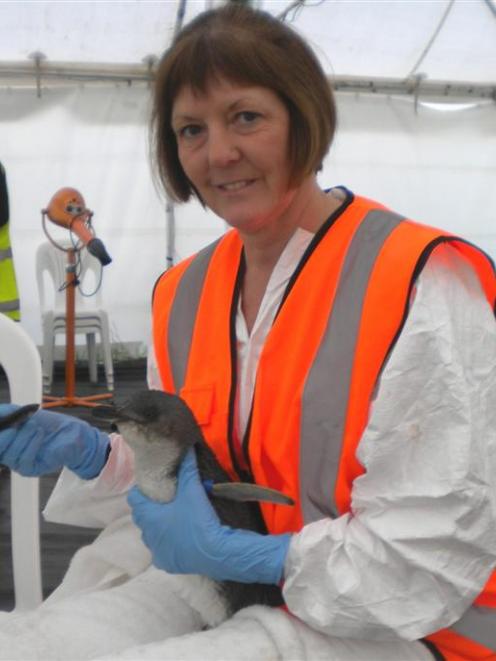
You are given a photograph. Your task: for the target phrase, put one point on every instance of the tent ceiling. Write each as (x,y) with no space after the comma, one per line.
(387,38)
(357,41)
(436,166)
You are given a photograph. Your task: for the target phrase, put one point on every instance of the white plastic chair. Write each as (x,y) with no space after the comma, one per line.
(20,360)
(90,318)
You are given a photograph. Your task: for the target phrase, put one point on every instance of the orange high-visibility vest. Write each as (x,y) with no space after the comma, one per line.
(340,316)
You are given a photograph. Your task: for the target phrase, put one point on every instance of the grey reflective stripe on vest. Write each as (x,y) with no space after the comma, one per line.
(5,253)
(478,624)
(10,306)
(325,396)
(183,313)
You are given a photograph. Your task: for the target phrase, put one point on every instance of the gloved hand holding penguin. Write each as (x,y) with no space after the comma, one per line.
(192,518)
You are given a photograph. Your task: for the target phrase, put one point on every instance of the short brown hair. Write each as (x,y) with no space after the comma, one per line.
(252,47)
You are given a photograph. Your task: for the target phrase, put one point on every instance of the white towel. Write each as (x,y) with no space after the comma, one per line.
(268,634)
(152,617)
(113,605)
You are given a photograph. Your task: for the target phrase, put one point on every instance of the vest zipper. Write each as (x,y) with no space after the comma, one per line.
(244,475)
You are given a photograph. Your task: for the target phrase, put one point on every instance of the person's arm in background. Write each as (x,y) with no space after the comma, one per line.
(4,198)
(420,540)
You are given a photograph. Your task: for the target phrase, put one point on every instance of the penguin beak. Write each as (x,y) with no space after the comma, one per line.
(18,416)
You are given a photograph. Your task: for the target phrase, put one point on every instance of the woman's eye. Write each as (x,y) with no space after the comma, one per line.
(190,131)
(247,117)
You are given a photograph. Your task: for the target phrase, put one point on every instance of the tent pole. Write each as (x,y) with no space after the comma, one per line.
(170,212)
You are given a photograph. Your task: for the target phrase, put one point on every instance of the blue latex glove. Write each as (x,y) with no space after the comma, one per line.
(47,441)
(185,536)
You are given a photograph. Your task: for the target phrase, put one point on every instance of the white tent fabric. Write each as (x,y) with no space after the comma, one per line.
(376,38)
(354,37)
(438,167)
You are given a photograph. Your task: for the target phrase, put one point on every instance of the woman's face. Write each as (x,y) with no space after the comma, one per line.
(233,146)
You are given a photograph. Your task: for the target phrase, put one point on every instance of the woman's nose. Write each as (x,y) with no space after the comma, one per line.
(222,148)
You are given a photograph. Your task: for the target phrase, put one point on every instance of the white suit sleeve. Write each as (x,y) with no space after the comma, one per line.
(94,503)
(420,540)
(98,502)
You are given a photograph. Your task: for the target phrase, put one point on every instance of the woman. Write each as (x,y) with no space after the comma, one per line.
(330,349)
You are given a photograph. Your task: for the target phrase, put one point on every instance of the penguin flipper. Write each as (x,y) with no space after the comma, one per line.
(242,491)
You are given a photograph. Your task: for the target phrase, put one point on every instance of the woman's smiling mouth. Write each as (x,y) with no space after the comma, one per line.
(234,186)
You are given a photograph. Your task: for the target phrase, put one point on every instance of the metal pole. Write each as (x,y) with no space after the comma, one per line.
(169,210)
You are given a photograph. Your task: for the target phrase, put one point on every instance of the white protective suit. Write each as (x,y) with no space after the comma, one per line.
(361,585)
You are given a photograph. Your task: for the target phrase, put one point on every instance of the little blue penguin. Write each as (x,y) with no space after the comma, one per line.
(160,428)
